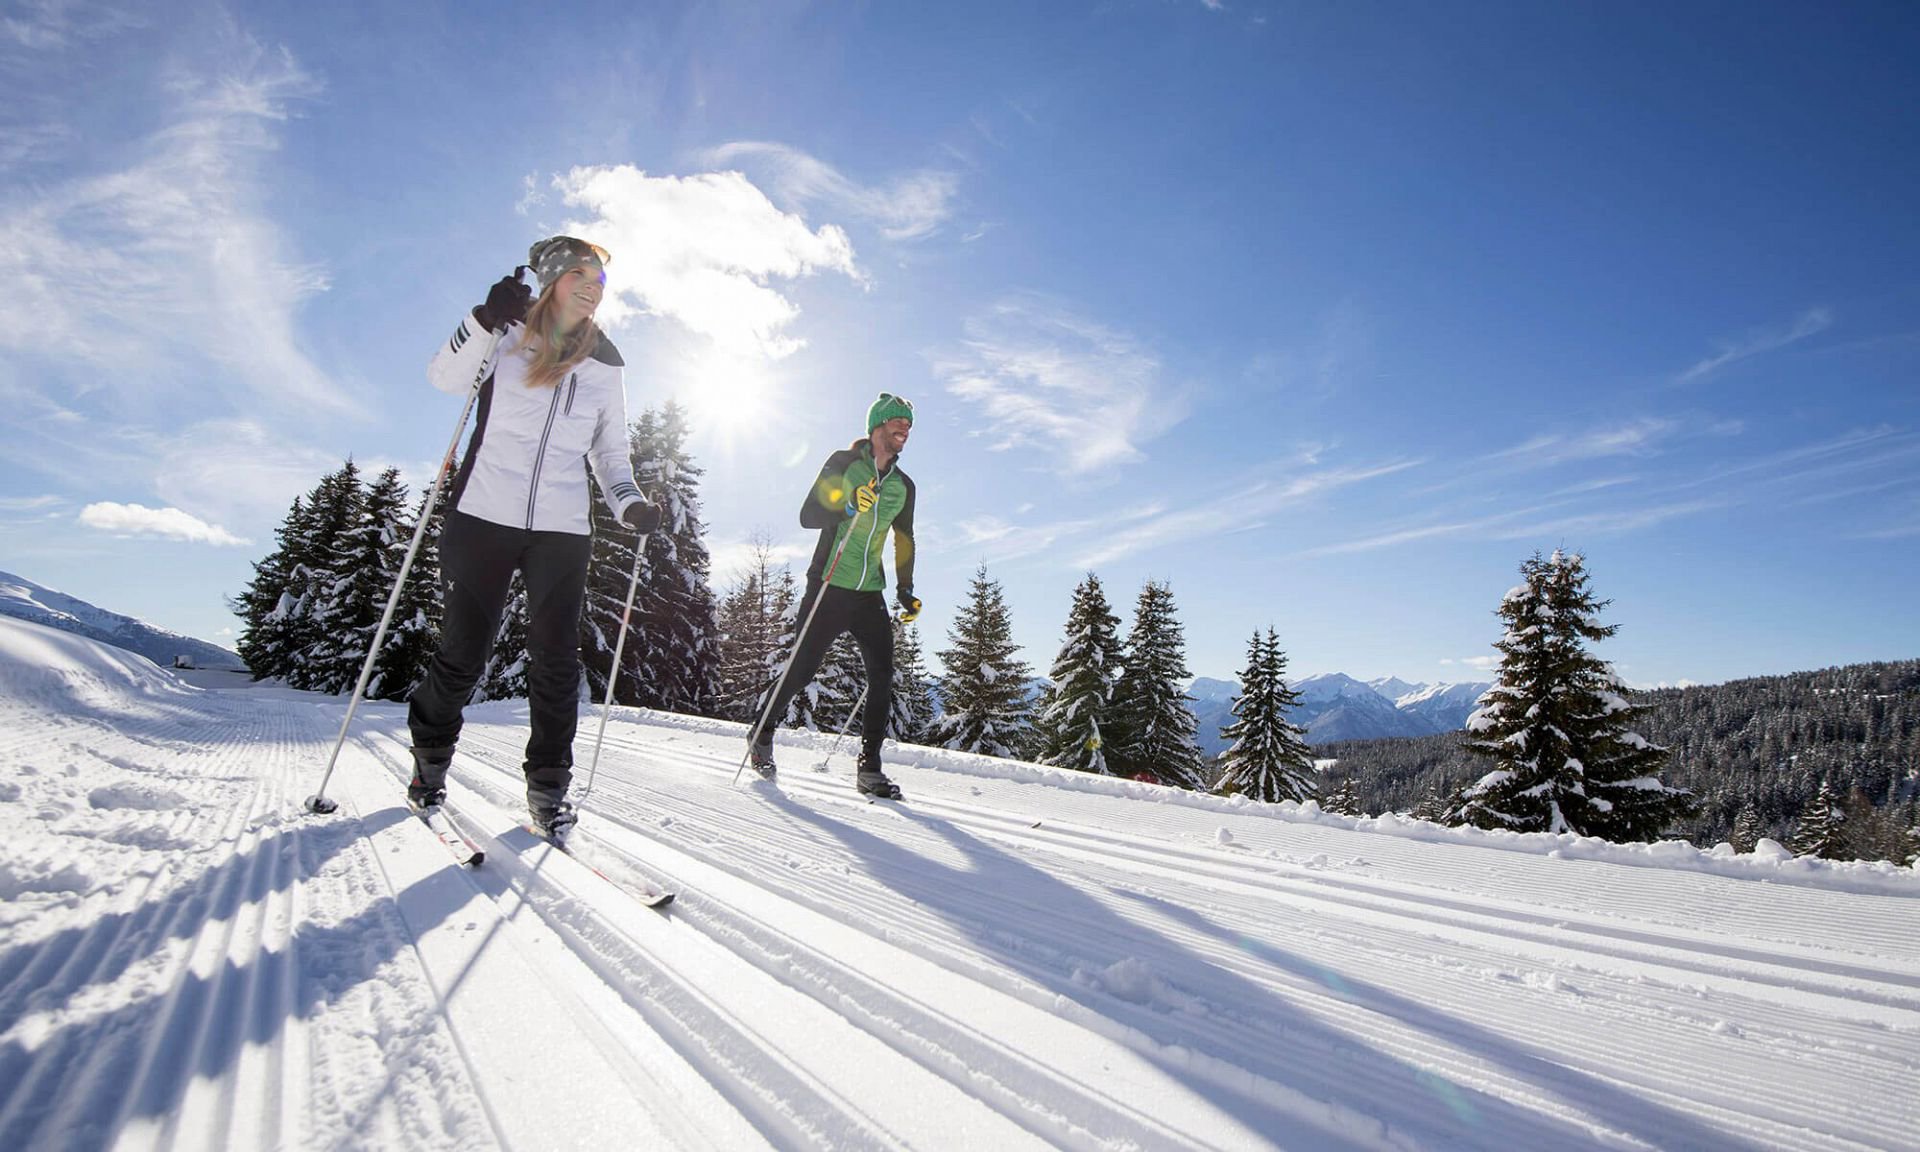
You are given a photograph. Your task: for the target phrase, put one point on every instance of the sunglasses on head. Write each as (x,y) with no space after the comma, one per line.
(885,396)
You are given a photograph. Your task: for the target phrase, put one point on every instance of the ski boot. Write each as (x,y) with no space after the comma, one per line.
(871,781)
(551,815)
(760,758)
(428,788)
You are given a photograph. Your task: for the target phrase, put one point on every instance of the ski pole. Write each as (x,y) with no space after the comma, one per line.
(620,646)
(797,641)
(318,802)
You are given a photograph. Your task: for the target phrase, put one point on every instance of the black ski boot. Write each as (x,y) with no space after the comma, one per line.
(428,788)
(549,813)
(760,758)
(871,781)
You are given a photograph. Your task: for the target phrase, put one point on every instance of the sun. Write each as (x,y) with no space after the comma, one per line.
(728,395)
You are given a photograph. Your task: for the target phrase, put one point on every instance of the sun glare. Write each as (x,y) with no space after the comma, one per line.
(730,397)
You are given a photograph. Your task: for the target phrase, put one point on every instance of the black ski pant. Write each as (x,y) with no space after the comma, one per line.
(477,562)
(865,615)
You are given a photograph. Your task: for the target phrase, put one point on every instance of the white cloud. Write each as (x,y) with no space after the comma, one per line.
(27,503)
(702,250)
(1809,323)
(906,207)
(1478,663)
(1240,504)
(170,523)
(1636,438)
(1082,396)
(170,264)
(237,471)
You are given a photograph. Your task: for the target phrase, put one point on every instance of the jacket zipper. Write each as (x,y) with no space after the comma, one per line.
(540,456)
(866,550)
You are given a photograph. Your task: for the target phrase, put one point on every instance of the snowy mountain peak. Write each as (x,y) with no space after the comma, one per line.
(24,600)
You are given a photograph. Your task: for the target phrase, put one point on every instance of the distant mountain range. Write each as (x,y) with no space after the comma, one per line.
(1334,707)
(25,600)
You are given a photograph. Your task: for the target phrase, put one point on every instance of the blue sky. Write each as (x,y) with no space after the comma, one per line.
(1329,315)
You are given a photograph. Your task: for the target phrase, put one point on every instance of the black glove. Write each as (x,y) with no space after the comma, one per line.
(909,607)
(642,516)
(506,304)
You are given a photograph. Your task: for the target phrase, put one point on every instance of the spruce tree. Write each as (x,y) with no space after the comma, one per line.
(371,551)
(1556,723)
(911,717)
(1073,710)
(1344,800)
(318,586)
(609,577)
(985,686)
(1747,829)
(263,607)
(1822,828)
(839,686)
(1432,807)
(505,677)
(750,625)
(677,665)
(1268,758)
(1155,724)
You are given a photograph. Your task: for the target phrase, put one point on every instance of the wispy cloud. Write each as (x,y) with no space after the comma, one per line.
(172,263)
(905,207)
(1809,323)
(1537,524)
(28,503)
(1241,504)
(168,523)
(730,560)
(1084,396)
(1636,438)
(702,250)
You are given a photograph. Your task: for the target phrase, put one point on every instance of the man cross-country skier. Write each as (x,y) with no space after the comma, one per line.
(860,494)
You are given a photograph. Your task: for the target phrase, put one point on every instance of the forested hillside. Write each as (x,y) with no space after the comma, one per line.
(1770,742)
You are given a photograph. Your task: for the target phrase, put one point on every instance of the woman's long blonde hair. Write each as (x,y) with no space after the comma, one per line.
(549,359)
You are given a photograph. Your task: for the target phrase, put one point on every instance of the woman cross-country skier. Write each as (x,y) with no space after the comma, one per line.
(860,494)
(520,501)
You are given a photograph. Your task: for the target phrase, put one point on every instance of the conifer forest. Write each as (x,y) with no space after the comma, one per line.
(1824,762)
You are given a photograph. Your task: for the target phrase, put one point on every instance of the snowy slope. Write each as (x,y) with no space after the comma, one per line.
(1015,958)
(24,600)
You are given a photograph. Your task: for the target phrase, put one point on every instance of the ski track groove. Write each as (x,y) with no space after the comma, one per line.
(972,1061)
(1732,1098)
(1354,973)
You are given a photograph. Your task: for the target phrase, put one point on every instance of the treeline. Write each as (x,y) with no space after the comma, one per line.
(1813,760)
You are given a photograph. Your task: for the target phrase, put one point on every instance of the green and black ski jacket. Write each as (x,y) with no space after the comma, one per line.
(860,568)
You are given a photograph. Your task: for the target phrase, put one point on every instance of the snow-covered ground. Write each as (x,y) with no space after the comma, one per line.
(1014,958)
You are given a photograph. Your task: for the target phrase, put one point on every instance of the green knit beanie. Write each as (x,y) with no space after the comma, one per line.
(888,407)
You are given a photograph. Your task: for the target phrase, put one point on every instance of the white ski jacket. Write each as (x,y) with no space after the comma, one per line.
(526,462)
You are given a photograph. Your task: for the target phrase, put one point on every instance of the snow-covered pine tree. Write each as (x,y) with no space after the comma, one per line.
(505,677)
(1822,830)
(1556,722)
(678,660)
(316,586)
(911,717)
(371,551)
(1155,724)
(985,688)
(1071,725)
(263,607)
(1431,808)
(840,684)
(750,625)
(1268,758)
(414,633)
(1344,800)
(1748,828)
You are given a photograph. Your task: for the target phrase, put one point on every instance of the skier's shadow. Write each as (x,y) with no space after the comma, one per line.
(1148,983)
(75,1086)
